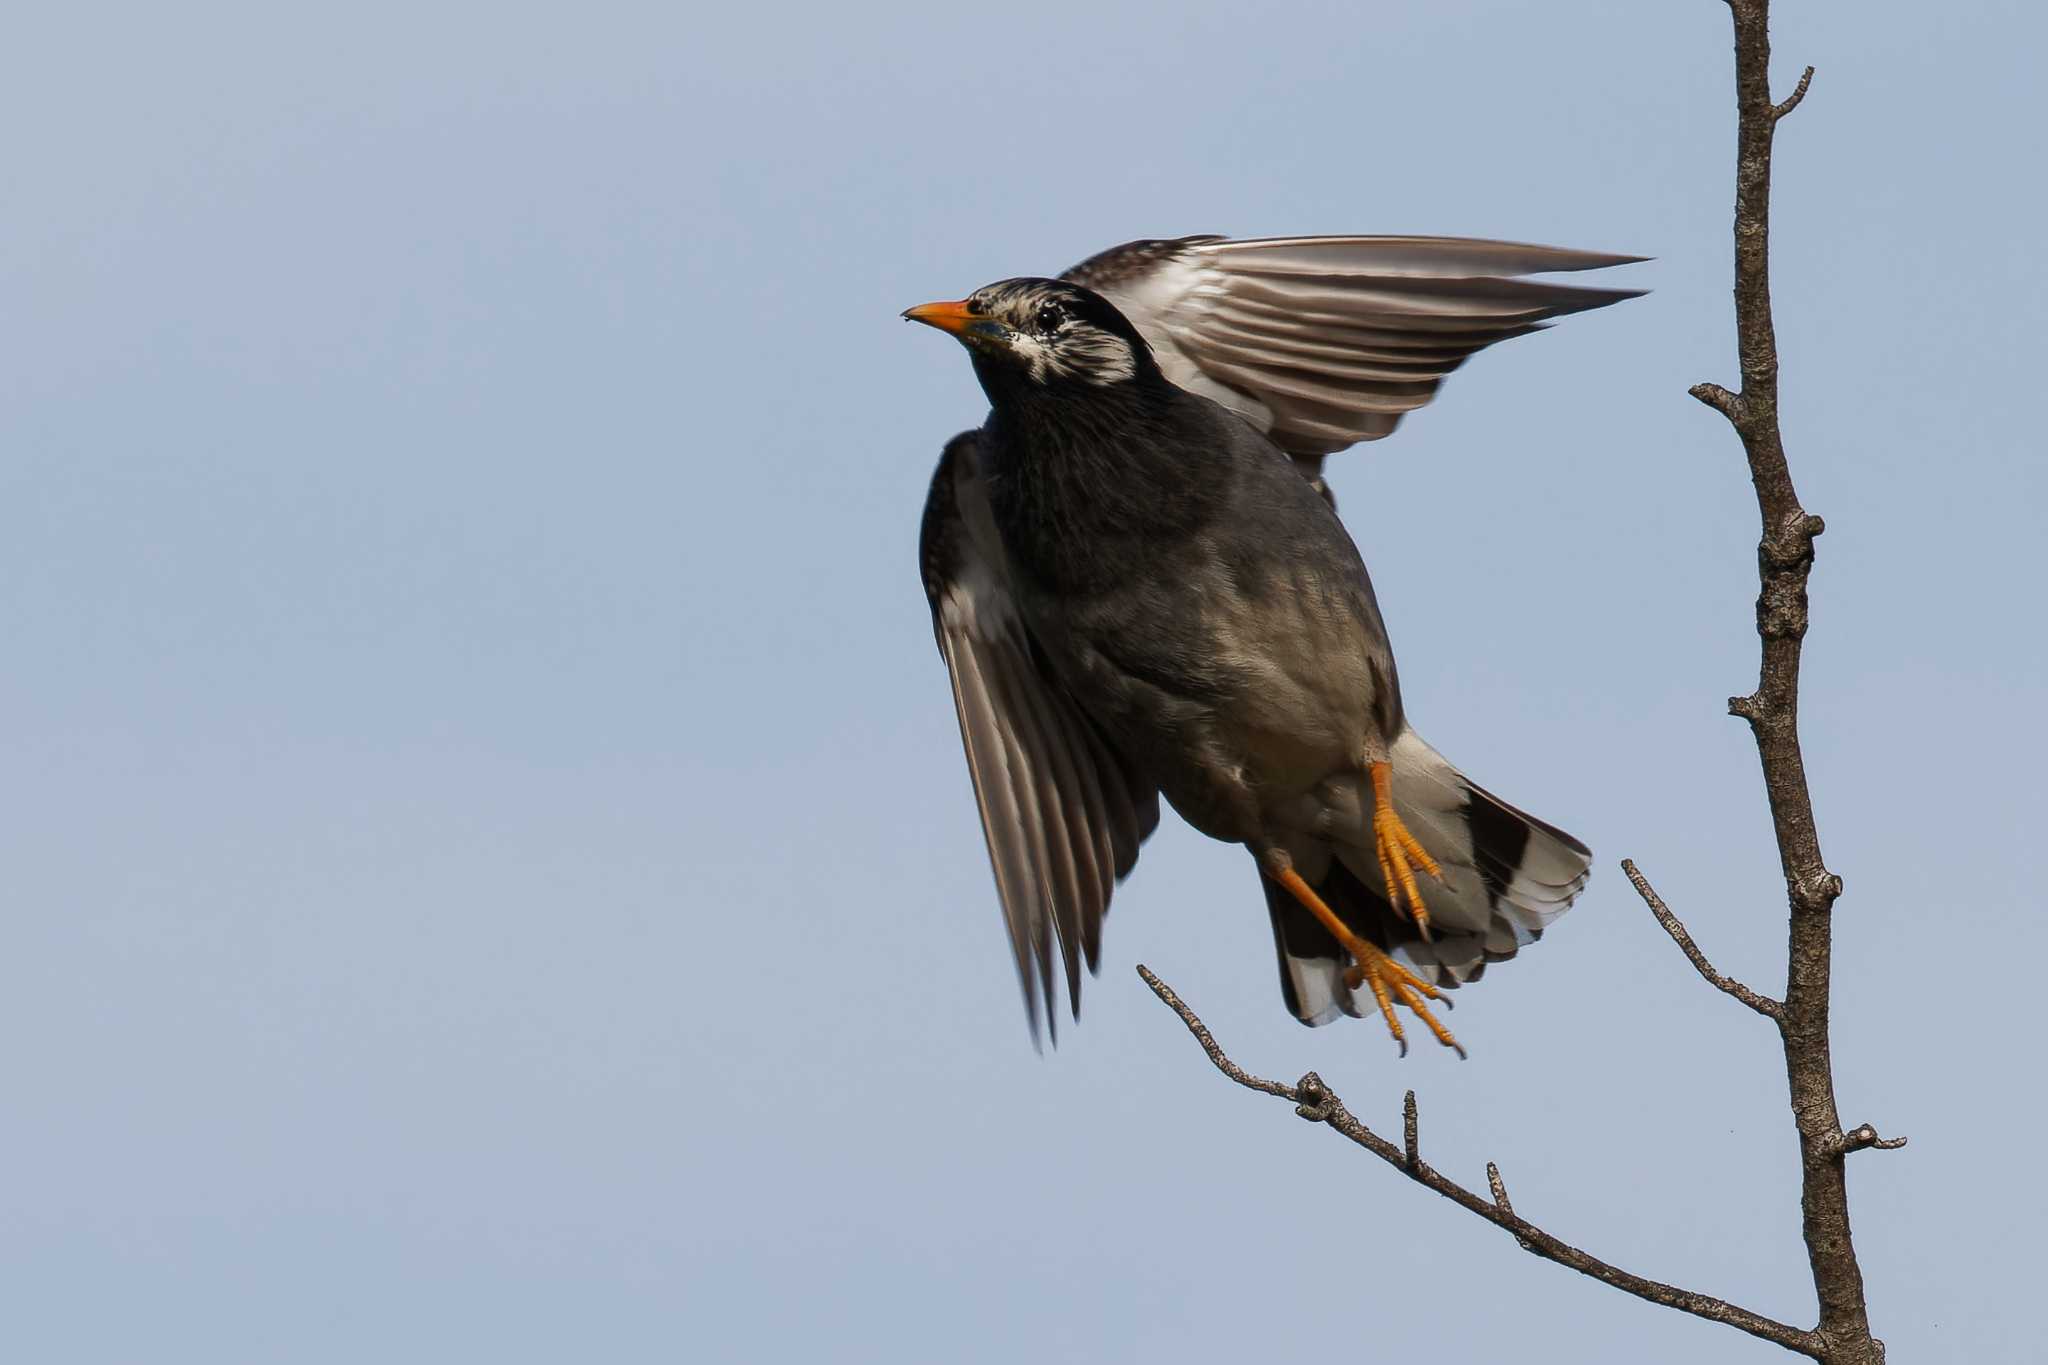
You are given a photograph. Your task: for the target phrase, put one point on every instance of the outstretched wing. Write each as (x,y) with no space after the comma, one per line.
(1326,341)
(1062,811)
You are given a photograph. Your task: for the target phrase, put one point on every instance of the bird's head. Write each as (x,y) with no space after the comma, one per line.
(1042,334)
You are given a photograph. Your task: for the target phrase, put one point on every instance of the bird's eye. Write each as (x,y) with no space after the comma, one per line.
(1049,317)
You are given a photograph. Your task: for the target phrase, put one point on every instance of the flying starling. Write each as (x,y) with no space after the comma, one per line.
(1138,593)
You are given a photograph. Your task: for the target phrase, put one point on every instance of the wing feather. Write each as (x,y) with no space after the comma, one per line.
(1039,750)
(1322,342)
(1062,811)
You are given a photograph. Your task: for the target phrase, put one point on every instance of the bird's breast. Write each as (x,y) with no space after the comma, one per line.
(1269,681)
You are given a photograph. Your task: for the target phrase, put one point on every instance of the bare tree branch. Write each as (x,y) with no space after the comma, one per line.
(1673,926)
(1784,562)
(1315,1101)
(1785,555)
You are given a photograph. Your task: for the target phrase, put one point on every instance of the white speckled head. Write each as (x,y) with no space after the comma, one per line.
(1054,332)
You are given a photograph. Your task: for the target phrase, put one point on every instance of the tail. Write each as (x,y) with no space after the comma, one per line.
(1506,875)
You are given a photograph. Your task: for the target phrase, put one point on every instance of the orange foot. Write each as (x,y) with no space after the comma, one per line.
(1389,980)
(1399,852)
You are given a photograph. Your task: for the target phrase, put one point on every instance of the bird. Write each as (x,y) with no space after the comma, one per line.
(1141,589)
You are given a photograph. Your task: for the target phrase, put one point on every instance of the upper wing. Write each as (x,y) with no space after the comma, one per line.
(1325,341)
(1063,812)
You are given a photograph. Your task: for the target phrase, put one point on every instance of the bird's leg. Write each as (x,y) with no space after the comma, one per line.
(1390,981)
(1398,850)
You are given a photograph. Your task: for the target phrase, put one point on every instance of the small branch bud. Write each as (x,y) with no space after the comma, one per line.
(1313,1098)
(1717,398)
(1862,1136)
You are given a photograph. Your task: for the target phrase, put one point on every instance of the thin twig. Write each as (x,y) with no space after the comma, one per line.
(1313,1099)
(1673,926)
(1208,1041)
(1791,101)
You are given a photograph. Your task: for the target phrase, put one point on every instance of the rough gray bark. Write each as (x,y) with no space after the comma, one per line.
(1785,556)
(1784,562)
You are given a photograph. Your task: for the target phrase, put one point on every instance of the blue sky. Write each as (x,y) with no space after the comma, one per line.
(489,872)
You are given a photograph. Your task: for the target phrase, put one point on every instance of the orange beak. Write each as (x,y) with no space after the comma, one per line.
(947,317)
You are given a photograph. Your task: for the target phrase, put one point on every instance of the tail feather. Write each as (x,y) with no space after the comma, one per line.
(1506,875)
(1312,965)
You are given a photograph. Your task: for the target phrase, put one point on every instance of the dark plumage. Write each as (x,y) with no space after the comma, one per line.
(1137,594)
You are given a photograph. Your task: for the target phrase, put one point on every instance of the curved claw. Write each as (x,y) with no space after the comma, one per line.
(1391,982)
